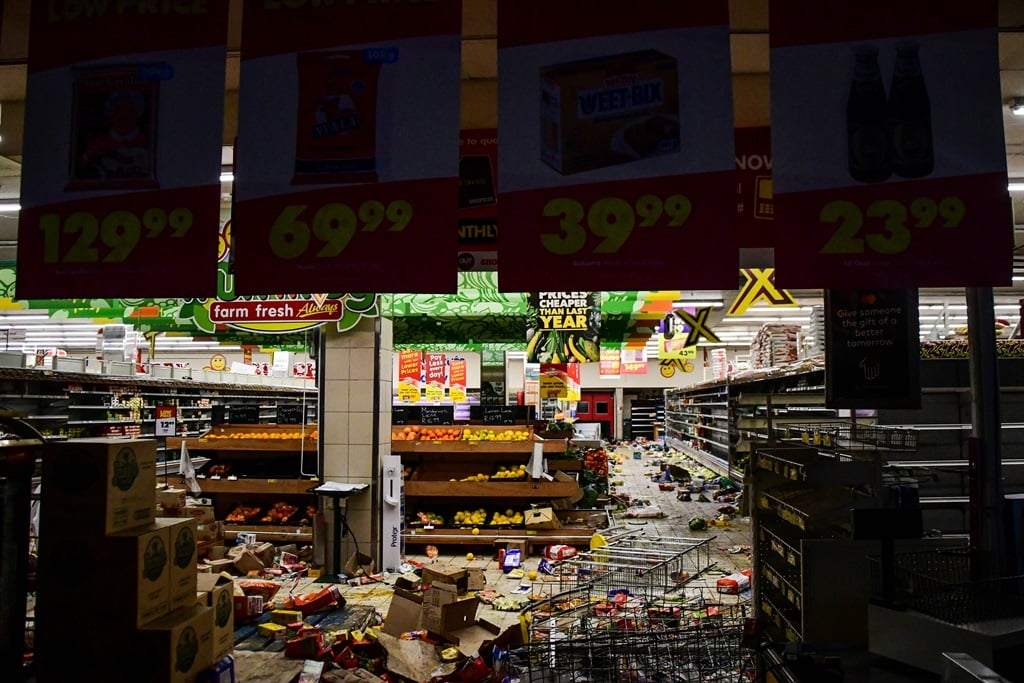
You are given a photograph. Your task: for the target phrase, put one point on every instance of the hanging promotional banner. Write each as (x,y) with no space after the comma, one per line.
(435,376)
(872,349)
(755,205)
(611,364)
(675,348)
(348,124)
(560,380)
(457,390)
(409,374)
(634,361)
(120,189)
(563,327)
(889,166)
(478,199)
(632,155)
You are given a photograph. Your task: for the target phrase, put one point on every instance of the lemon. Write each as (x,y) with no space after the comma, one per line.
(469,556)
(532,575)
(475,531)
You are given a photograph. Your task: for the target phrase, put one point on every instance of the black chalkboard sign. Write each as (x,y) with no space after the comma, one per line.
(499,415)
(873,348)
(437,415)
(244,415)
(289,414)
(405,415)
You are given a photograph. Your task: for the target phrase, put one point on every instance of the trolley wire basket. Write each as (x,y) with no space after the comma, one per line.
(589,635)
(939,583)
(623,612)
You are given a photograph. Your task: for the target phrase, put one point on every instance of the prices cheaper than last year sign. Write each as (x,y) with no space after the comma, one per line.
(124,116)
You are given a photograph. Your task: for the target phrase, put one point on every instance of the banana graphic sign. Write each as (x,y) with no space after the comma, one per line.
(564,327)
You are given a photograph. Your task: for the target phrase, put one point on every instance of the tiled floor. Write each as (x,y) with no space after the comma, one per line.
(728,545)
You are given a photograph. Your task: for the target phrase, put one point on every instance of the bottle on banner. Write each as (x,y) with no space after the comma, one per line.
(910,115)
(867,120)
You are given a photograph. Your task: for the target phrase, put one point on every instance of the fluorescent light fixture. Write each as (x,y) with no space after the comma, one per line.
(227,177)
(1017,106)
(9,207)
(14,317)
(1015,186)
(696,304)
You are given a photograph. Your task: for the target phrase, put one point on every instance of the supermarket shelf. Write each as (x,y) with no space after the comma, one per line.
(462,446)
(103,422)
(787,549)
(568,535)
(290,446)
(269,486)
(565,464)
(495,490)
(270,532)
(78,407)
(911,464)
(803,507)
(815,467)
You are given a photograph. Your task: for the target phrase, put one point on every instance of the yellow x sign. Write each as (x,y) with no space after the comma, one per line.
(760,286)
(698,326)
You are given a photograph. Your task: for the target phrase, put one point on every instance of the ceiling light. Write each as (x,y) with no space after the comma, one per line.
(8,207)
(1017,106)
(696,304)
(1015,185)
(227,177)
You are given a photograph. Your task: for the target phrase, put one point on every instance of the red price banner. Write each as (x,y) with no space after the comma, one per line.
(130,212)
(889,165)
(623,164)
(363,194)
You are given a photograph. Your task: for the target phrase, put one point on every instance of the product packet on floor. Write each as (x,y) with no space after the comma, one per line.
(512,560)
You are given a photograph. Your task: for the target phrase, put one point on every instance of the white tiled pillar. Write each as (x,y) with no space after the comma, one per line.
(350,455)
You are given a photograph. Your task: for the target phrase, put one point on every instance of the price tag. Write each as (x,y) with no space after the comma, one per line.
(325,231)
(887,226)
(531,532)
(84,237)
(604,226)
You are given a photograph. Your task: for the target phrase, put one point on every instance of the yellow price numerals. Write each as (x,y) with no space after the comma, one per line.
(898,220)
(612,219)
(333,225)
(110,240)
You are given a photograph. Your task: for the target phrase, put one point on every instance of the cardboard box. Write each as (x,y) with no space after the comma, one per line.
(541,518)
(223,564)
(178,646)
(438,610)
(98,486)
(609,110)
(218,593)
(245,560)
(122,579)
(475,579)
(473,635)
(171,500)
(442,574)
(203,514)
(184,557)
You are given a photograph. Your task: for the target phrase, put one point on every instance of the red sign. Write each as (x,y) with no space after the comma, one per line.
(274,311)
(887,138)
(111,204)
(478,199)
(634,361)
(347,171)
(755,205)
(626,162)
(435,369)
(611,363)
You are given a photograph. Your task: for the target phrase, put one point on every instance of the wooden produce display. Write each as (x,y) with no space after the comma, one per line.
(471,466)
(255,477)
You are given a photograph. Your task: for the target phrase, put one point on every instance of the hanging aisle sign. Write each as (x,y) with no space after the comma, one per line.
(435,375)
(457,370)
(410,375)
(563,327)
(887,143)
(347,166)
(615,121)
(478,200)
(124,117)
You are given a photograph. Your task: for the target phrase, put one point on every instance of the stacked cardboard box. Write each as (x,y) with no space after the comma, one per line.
(117,585)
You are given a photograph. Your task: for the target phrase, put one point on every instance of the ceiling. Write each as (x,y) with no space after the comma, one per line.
(749,43)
